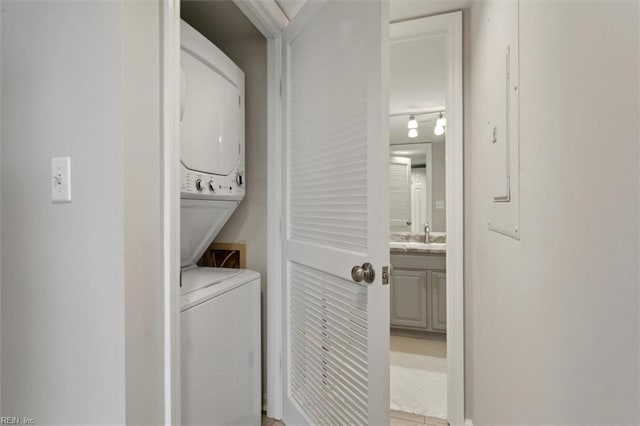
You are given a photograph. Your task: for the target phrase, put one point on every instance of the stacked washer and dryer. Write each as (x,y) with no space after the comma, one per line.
(220,307)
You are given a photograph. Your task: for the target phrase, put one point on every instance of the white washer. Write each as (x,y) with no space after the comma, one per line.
(220,338)
(220,308)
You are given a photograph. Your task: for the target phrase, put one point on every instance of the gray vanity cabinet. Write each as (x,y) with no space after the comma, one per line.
(408,298)
(418,292)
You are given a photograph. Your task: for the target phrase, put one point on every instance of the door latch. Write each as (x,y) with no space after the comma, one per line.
(385,275)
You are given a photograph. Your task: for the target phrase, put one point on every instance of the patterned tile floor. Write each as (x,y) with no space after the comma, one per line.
(419,377)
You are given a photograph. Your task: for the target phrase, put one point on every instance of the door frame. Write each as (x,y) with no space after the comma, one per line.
(454,195)
(170,145)
(269,19)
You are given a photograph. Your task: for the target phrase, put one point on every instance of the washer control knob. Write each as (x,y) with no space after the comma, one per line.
(239,179)
(212,187)
(199,186)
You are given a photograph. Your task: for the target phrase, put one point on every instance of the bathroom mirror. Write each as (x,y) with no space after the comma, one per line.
(417,130)
(419,198)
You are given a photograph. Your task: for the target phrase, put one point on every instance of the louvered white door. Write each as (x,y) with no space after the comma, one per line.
(335,195)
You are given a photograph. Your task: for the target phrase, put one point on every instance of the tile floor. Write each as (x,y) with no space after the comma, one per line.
(268,421)
(418,377)
(397,419)
(418,383)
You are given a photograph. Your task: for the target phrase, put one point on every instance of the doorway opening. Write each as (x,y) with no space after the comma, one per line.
(425,206)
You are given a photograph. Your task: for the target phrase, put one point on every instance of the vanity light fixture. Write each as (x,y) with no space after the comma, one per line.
(440,124)
(412,125)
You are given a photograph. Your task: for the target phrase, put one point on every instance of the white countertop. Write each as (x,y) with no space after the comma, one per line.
(415,247)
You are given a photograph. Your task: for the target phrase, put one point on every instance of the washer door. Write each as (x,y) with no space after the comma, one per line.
(211,118)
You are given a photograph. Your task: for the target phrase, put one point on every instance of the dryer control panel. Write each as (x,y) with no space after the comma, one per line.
(208,186)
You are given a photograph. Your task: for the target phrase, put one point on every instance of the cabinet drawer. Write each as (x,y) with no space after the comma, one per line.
(419,261)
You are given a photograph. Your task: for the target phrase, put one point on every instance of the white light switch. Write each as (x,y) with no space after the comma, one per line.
(439,205)
(61,180)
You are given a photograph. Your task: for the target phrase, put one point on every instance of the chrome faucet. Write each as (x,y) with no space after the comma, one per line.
(426,232)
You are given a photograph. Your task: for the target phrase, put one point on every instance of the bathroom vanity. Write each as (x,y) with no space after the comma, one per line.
(418,293)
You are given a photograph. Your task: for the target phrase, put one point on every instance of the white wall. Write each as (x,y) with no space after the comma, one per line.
(552,320)
(62,284)
(249,222)
(143,176)
(74,302)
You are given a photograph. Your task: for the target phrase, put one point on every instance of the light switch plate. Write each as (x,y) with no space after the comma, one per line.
(439,205)
(61,180)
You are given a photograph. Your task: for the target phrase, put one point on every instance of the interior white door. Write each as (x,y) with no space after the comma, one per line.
(400,194)
(335,193)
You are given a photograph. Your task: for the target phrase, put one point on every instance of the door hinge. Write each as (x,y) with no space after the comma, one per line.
(385,275)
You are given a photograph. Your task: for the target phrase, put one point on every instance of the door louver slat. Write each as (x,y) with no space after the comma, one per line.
(328,353)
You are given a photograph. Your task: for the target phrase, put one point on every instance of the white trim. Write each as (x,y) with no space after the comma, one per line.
(266,15)
(454,163)
(468,422)
(170,48)
(274,246)
(449,26)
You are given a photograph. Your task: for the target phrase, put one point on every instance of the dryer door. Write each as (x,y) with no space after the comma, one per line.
(211,119)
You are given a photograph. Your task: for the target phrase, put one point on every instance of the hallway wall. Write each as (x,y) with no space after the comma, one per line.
(552,320)
(81,293)
(62,281)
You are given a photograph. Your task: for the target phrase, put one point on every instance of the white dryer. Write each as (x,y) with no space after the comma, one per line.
(212,142)
(220,308)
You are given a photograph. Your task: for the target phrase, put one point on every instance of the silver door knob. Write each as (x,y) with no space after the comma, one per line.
(364,273)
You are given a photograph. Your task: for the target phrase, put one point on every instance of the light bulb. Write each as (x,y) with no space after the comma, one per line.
(440,123)
(413,133)
(413,124)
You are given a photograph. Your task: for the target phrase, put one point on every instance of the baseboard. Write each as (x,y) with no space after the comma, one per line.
(468,422)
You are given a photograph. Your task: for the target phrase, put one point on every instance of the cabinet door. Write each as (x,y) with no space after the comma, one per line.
(438,300)
(408,298)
